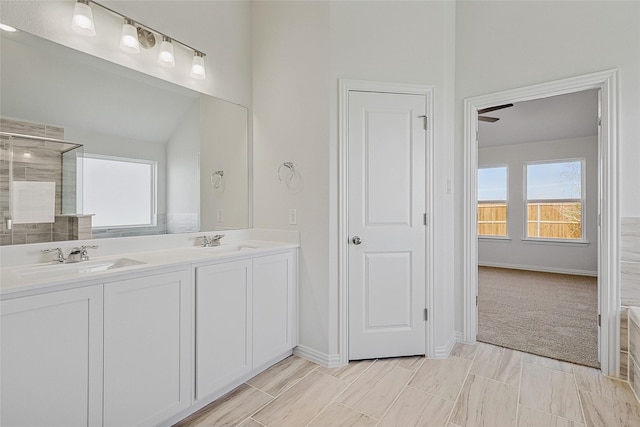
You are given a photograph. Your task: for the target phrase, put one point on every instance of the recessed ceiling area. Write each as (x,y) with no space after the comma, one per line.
(567,116)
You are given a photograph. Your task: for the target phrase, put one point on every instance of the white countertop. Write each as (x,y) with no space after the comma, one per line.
(47,277)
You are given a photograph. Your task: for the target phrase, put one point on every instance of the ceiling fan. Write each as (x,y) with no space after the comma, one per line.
(489,109)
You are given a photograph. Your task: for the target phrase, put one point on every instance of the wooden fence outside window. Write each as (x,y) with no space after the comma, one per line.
(553,220)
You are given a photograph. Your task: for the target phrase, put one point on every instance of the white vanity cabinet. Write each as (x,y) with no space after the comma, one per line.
(274,308)
(223,325)
(147,348)
(51,359)
(245,319)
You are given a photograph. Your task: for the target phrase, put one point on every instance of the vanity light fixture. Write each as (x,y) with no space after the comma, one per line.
(82,22)
(166,57)
(7,28)
(197,67)
(135,35)
(129,38)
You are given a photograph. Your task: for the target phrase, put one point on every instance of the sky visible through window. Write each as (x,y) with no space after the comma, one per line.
(554,181)
(492,183)
(545,181)
(110,183)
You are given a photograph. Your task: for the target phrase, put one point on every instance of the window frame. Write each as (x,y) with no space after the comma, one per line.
(582,200)
(506,237)
(153,216)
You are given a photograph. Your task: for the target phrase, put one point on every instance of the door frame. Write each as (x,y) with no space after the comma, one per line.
(608,238)
(345,86)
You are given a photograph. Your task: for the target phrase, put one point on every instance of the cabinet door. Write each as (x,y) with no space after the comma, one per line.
(273,307)
(51,368)
(147,339)
(223,325)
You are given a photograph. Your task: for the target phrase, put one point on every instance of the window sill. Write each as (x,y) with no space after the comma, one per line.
(123,227)
(556,242)
(495,238)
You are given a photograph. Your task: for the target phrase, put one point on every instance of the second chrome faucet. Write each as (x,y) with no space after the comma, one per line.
(208,242)
(76,255)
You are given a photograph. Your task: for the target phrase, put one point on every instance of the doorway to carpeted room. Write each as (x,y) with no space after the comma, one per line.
(548,314)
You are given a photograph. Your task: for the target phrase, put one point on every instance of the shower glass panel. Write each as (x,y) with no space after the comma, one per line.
(72,170)
(38,188)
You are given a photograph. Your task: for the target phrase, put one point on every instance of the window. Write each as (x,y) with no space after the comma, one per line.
(492,201)
(555,200)
(112,182)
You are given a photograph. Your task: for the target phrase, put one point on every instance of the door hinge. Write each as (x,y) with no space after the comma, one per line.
(424,218)
(476,299)
(425,118)
(599,319)
(426,314)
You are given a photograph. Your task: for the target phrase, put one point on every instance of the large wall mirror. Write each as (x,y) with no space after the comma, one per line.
(142,155)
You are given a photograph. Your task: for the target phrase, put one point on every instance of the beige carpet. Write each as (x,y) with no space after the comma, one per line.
(552,315)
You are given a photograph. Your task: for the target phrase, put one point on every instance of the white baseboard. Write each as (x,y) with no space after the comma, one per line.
(445,351)
(542,269)
(322,359)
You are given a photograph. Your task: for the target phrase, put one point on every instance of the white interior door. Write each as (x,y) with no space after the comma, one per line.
(386,185)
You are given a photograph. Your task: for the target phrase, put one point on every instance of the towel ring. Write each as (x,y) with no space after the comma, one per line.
(286,172)
(217,179)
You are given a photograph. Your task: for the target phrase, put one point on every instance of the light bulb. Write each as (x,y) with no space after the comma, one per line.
(197,67)
(129,39)
(82,22)
(165,57)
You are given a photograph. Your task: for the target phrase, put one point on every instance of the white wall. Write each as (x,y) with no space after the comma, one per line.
(505,45)
(223,128)
(291,93)
(183,181)
(516,253)
(402,42)
(300,51)
(221,29)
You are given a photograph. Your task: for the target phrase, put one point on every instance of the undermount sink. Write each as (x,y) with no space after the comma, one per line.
(230,248)
(58,270)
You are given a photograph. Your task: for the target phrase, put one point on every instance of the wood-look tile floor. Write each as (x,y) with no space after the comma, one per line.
(478,385)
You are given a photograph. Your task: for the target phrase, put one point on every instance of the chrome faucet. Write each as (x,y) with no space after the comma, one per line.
(76,254)
(59,255)
(80,254)
(208,242)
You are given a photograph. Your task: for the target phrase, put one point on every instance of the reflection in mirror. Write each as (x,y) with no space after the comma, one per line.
(149,147)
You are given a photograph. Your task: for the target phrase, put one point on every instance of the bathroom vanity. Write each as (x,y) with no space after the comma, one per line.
(144,338)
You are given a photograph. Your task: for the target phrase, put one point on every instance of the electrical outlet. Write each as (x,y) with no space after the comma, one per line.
(220,215)
(293,217)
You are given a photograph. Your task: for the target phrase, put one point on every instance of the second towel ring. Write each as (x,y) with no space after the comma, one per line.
(286,172)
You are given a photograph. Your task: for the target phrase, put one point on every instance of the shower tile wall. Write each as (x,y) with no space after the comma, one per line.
(72,227)
(43,164)
(630,284)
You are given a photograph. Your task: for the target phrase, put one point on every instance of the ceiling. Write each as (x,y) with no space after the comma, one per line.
(558,117)
(46,82)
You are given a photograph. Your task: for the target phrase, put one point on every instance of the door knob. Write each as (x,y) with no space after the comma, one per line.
(356,240)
